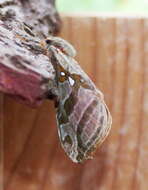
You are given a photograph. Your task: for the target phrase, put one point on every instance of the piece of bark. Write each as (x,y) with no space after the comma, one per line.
(25,72)
(41,15)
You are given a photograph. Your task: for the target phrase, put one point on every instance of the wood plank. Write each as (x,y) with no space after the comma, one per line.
(114,53)
(127,151)
(82,35)
(115,90)
(103,72)
(105,57)
(32,165)
(16,121)
(141,173)
(1,141)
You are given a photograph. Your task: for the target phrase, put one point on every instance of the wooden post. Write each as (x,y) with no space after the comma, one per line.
(114,53)
(1,142)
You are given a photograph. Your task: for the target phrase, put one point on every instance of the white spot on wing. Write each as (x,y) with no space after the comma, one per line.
(71,81)
(62,74)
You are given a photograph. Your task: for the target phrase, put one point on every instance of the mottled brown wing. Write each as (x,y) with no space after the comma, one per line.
(83,118)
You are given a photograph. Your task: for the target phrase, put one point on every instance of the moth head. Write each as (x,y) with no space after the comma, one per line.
(48,41)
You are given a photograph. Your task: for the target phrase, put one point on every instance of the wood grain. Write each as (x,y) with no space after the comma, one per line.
(114,53)
(1,141)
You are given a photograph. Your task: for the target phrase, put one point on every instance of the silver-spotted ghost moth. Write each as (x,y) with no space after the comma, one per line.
(83,118)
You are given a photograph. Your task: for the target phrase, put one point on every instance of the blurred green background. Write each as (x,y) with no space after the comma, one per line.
(131,6)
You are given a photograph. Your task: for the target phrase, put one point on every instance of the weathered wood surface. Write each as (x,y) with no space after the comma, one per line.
(24,71)
(1,142)
(114,52)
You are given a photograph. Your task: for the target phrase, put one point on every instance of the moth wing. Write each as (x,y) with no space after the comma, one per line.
(82,116)
(83,121)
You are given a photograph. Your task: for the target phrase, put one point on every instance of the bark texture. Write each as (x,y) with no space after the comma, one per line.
(25,72)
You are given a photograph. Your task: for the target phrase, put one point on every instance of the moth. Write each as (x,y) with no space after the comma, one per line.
(83,118)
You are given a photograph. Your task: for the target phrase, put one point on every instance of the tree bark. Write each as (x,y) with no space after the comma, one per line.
(24,71)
